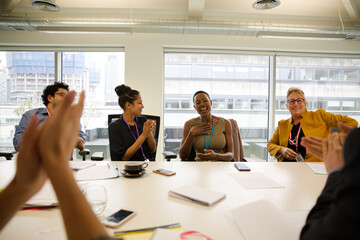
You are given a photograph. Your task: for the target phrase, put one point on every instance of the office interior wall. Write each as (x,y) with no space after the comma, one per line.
(144,54)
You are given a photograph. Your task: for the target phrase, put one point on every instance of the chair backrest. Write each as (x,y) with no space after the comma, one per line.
(155,131)
(238,151)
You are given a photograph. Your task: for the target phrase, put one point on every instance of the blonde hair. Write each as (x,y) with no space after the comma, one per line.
(298,91)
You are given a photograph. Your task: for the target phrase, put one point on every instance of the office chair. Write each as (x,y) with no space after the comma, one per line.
(8,154)
(96,156)
(155,131)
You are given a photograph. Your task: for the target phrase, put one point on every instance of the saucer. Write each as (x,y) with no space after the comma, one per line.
(133,175)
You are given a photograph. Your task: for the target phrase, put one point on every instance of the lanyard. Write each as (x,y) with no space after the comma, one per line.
(207,144)
(137,131)
(48,111)
(297,139)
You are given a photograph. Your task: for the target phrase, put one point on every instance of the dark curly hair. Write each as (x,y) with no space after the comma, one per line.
(126,94)
(198,93)
(51,90)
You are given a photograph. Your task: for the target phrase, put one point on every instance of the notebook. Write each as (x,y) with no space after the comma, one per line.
(197,195)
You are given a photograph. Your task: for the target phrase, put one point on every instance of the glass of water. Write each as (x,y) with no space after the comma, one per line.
(97,197)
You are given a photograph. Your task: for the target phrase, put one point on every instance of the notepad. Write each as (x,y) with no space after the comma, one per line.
(197,195)
(79,165)
(101,170)
(46,197)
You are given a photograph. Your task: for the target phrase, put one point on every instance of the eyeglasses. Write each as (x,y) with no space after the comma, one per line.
(292,101)
(62,94)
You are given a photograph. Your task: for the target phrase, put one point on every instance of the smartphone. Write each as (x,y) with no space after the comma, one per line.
(118,218)
(242,167)
(164,172)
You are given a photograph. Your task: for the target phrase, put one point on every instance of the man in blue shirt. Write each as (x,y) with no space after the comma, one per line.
(52,96)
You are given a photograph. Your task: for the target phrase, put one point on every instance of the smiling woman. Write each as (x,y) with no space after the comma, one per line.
(130,136)
(285,143)
(209,135)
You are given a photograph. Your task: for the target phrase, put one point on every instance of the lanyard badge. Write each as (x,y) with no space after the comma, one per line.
(207,144)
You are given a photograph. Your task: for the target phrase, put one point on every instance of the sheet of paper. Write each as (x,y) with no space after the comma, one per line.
(101,170)
(318,168)
(79,165)
(254,180)
(261,220)
(165,234)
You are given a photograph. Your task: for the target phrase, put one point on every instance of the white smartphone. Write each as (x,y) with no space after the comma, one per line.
(242,167)
(118,218)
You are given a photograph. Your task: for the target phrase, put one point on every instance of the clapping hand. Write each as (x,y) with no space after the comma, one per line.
(313,145)
(148,127)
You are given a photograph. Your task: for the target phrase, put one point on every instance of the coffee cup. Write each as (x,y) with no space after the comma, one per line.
(135,167)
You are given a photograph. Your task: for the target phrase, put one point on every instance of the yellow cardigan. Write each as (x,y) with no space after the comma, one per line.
(317,124)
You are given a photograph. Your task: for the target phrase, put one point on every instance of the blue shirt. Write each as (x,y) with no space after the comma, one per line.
(42,114)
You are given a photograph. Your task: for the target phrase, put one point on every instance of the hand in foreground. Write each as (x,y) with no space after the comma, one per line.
(313,145)
(200,129)
(30,174)
(288,153)
(59,133)
(207,156)
(332,149)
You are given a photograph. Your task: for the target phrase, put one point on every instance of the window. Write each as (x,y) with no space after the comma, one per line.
(237,85)
(24,75)
(324,87)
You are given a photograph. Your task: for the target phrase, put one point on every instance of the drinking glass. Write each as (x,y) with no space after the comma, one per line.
(97,197)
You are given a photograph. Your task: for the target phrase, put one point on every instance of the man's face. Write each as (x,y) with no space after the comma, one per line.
(58,97)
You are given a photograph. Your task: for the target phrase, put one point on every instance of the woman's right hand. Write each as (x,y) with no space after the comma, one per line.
(199,129)
(148,127)
(288,153)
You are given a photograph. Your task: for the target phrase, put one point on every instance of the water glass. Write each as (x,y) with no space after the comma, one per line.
(97,197)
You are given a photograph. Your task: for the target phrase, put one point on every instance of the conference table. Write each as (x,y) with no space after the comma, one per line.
(148,197)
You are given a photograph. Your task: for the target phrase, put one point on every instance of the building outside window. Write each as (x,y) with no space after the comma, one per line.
(238,86)
(24,75)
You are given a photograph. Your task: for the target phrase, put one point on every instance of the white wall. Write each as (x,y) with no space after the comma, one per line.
(144,54)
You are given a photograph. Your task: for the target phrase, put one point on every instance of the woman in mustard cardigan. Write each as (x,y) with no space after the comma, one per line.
(285,143)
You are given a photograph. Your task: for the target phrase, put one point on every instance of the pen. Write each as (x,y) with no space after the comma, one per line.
(116,170)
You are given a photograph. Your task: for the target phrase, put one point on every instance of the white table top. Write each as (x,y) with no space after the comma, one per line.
(148,196)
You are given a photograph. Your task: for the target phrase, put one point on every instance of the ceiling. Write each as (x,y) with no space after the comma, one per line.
(226,17)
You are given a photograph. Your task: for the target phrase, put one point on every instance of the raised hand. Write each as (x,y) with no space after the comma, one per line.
(148,127)
(200,129)
(59,133)
(30,173)
(332,149)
